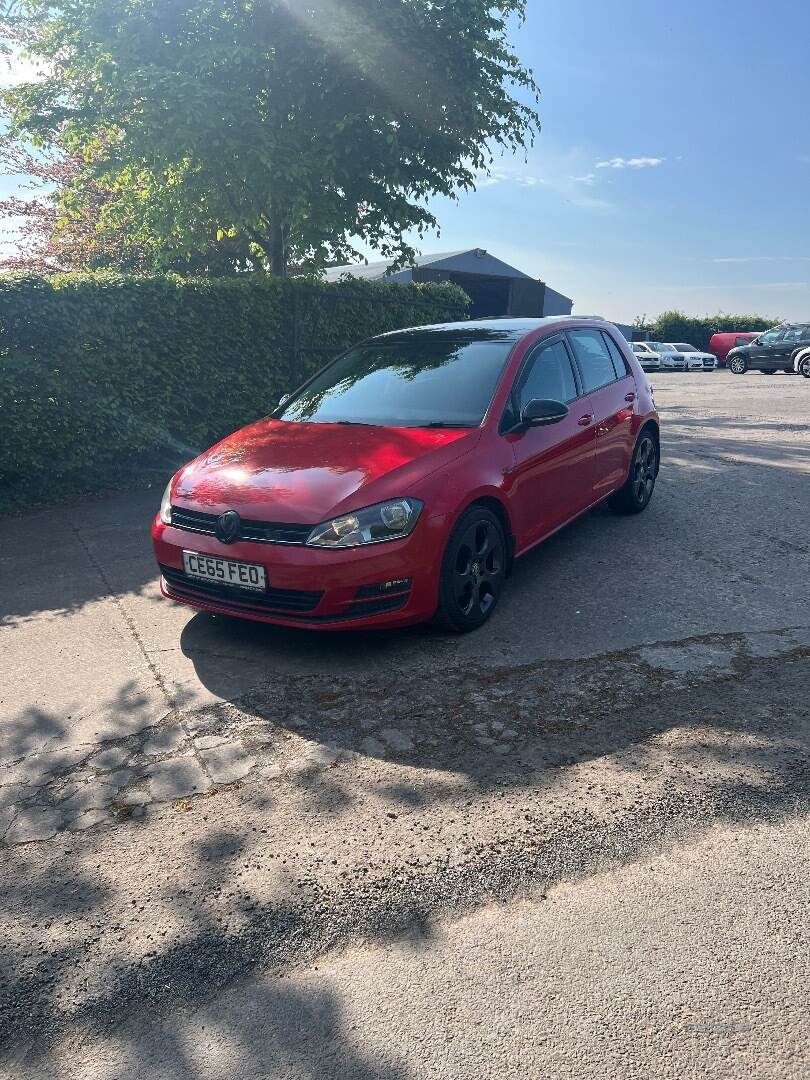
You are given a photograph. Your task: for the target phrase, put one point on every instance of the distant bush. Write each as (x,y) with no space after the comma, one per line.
(96,369)
(676,326)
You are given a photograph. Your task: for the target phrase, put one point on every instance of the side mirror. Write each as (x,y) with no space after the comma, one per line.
(541,411)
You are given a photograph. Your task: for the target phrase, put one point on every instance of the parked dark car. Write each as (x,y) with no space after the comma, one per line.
(722,344)
(775,350)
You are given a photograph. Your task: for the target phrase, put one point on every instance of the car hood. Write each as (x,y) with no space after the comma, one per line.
(306,473)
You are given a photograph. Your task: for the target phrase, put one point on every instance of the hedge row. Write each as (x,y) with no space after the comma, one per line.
(98,368)
(677,326)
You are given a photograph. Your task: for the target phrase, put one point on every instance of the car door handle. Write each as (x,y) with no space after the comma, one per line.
(629,398)
(585,420)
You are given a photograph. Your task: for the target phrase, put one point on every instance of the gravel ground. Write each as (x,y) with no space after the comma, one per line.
(574,844)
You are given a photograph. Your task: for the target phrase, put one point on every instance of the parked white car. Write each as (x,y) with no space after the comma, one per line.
(801,363)
(695,359)
(671,359)
(646,355)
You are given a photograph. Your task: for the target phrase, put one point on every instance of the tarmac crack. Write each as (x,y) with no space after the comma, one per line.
(129,622)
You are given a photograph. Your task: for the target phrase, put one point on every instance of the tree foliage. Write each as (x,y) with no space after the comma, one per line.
(678,326)
(290,127)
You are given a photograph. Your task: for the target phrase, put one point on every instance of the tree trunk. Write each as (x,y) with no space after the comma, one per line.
(278,245)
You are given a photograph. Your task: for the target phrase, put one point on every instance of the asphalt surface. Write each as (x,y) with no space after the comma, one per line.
(573,844)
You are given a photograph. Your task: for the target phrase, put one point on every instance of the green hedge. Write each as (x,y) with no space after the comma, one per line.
(97,369)
(677,326)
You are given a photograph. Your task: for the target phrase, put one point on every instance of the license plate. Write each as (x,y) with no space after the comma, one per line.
(243,575)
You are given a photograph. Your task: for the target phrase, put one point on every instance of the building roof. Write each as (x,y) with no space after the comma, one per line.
(471,261)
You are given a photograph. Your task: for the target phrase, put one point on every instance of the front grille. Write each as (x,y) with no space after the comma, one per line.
(262,532)
(190,588)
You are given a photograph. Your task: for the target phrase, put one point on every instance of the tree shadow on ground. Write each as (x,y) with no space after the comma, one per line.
(741,757)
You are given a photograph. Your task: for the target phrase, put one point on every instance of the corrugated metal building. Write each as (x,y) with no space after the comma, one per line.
(494,287)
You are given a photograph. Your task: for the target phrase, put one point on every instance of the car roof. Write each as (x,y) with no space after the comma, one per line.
(502,329)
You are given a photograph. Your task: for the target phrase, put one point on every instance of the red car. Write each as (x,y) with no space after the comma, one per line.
(401,481)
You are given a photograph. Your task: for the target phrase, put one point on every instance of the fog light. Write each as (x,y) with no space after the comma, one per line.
(396,585)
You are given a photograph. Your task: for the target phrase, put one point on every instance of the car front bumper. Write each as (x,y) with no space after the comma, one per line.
(388,584)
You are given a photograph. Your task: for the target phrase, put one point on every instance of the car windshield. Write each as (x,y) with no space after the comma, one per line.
(682,346)
(428,379)
(659,348)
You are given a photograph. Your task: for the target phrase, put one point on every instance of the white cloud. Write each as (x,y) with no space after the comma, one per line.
(490,179)
(631,163)
(546,173)
(500,175)
(763,258)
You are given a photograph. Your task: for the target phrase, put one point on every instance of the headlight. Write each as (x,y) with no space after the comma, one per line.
(166,504)
(386,521)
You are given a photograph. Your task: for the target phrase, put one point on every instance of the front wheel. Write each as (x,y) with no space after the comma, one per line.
(635,494)
(473,571)
(738,365)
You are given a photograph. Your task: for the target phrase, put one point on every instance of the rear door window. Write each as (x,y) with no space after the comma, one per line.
(619,362)
(794,334)
(593,358)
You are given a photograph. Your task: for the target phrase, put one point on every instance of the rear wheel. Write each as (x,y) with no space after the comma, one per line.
(636,492)
(738,365)
(804,367)
(473,571)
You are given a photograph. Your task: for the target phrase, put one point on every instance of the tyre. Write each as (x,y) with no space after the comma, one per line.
(473,571)
(738,365)
(635,494)
(804,366)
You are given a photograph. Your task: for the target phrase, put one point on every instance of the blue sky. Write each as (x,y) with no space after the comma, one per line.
(673,168)
(715,95)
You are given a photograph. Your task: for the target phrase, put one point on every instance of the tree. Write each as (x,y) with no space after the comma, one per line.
(291,127)
(65,223)
(698,330)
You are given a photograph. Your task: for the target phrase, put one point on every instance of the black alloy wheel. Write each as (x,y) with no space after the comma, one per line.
(473,571)
(804,367)
(636,492)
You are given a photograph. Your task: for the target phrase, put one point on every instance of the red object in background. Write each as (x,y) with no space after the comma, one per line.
(722,344)
(530,476)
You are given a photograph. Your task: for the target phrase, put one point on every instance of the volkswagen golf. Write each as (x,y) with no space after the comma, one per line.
(401,481)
